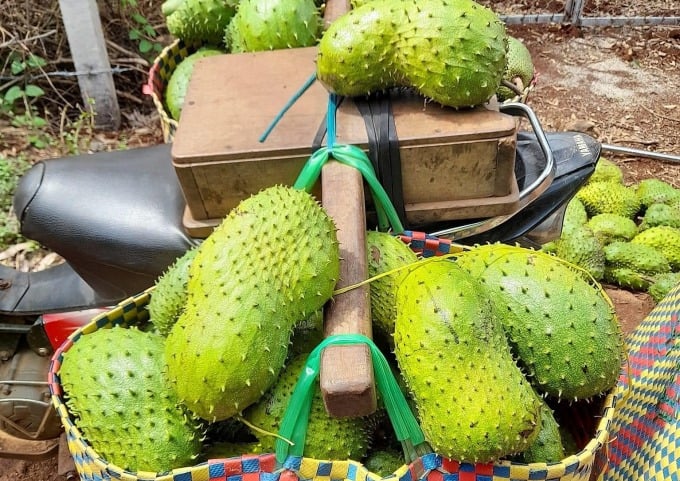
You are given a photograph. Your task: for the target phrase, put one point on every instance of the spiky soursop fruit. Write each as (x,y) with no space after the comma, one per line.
(656,191)
(575,215)
(633,266)
(327,437)
(639,257)
(581,247)
(452,51)
(519,65)
(664,239)
(384,462)
(563,329)
(663,284)
(661,214)
(610,228)
(606,171)
(201,21)
(609,198)
(474,403)
(170,293)
(386,253)
(547,447)
(271,262)
(176,90)
(307,334)
(114,385)
(272,25)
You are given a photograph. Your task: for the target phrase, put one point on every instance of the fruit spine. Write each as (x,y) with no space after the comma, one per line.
(271,262)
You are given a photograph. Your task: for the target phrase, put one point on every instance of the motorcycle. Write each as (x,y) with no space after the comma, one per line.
(116,220)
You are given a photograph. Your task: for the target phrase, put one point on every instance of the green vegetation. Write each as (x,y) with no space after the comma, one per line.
(10,171)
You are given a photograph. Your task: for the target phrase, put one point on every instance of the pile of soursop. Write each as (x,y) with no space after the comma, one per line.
(454,52)
(244,25)
(486,346)
(624,235)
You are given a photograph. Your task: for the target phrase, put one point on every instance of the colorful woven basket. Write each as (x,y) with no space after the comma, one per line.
(159,74)
(588,464)
(646,430)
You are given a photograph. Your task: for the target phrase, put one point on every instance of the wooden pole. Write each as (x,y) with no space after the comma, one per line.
(88,48)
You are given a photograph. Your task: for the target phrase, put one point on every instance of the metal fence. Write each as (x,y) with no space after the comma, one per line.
(587,13)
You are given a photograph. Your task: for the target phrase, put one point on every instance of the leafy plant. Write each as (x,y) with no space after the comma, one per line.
(141,31)
(18,97)
(10,172)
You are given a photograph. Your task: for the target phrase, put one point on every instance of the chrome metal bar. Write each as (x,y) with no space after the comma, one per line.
(641,153)
(526,195)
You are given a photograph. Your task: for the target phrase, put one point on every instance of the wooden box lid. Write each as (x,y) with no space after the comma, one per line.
(232,98)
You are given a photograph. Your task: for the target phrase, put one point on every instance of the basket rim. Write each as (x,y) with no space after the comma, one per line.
(584,457)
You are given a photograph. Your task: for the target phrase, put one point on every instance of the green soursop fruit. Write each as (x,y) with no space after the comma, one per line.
(575,215)
(627,278)
(232,449)
(609,197)
(562,328)
(273,261)
(638,257)
(664,239)
(168,7)
(474,403)
(170,293)
(547,447)
(610,228)
(661,214)
(386,253)
(656,191)
(272,25)
(307,334)
(114,385)
(519,65)
(327,437)
(606,171)
(663,284)
(633,266)
(201,21)
(581,247)
(451,51)
(176,90)
(384,462)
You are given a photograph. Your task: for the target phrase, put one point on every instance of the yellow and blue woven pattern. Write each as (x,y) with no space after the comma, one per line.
(585,465)
(646,428)
(159,74)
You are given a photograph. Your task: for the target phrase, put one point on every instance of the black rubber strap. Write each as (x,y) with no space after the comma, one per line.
(383,146)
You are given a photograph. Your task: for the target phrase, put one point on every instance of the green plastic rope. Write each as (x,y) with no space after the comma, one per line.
(296,418)
(354,157)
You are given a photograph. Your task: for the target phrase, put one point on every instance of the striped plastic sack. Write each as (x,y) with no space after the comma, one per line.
(646,428)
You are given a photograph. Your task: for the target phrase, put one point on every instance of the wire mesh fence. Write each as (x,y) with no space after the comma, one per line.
(588,13)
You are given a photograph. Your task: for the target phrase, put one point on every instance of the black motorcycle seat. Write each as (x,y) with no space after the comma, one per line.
(114,216)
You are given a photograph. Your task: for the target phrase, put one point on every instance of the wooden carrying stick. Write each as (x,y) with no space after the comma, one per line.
(346,373)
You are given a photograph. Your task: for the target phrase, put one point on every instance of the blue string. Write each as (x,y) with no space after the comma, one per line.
(330,121)
(308,83)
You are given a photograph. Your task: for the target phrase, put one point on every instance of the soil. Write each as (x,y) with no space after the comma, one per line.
(616,84)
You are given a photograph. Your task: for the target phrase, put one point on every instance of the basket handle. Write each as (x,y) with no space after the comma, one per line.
(296,418)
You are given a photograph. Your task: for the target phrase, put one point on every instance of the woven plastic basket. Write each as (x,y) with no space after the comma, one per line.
(159,74)
(588,464)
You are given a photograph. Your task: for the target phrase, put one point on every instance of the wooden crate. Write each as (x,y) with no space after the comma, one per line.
(454,164)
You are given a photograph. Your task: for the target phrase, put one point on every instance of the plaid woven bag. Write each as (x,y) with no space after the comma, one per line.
(646,428)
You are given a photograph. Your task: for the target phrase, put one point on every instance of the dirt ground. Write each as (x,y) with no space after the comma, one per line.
(617,84)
